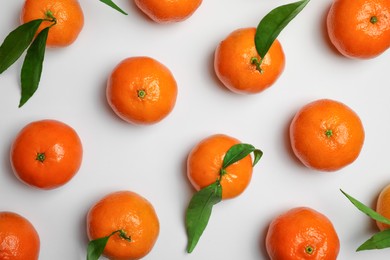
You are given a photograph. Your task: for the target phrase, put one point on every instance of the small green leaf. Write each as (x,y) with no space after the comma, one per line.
(273,23)
(96,247)
(378,241)
(199,211)
(238,152)
(17,42)
(113,5)
(366,210)
(32,66)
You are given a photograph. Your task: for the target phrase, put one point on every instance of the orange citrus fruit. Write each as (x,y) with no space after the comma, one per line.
(68,15)
(205,161)
(18,238)
(129,213)
(326,135)
(166,11)
(359,28)
(235,67)
(302,233)
(383,206)
(46,154)
(141,90)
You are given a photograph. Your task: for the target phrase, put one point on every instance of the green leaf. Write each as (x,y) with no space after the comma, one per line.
(96,247)
(238,152)
(378,241)
(366,210)
(17,42)
(199,211)
(113,5)
(273,23)
(32,66)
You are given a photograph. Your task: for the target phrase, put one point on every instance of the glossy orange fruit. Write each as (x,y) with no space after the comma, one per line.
(67,13)
(205,161)
(359,28)
(235,67)
(130,213)
(302,233)
(383,206)
(167,11)
(46,154)
(326,135)
(141,90)
(18,238)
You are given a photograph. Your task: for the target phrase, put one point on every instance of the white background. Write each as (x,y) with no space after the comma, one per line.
(150,160)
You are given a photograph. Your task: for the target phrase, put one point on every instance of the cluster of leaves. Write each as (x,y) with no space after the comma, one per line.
(20,39)
(379,240)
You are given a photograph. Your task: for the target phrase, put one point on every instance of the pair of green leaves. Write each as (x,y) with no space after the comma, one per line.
(273,23)
(200,207)
(96,247)
(15,44)
(381,239)
(113,5)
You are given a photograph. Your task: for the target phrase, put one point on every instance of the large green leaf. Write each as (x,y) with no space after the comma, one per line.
(273,23)
(113,5)
(199,211)
(17,42)
(32,66)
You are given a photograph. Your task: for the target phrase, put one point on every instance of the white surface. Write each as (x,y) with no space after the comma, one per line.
(151,160)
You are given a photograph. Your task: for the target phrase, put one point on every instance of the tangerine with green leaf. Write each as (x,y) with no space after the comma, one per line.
(46,154)
(19,239)
(65,18)
(122,225)
(302,233)
(219,167)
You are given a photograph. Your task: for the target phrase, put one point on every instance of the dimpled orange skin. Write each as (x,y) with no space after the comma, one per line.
(351,31)
(302,233)
(61,147)
(69,15)
(168,11)
(141,74)
(233,67)
(127,211)
(383,206)
(309,139)
(19,239)
(205,161)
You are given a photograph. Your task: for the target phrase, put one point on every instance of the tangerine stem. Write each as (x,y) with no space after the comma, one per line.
(329,133)
(309,250)
(122,234)
(141,93)
(255,61)
(50,18)
(373,19)
(40,157)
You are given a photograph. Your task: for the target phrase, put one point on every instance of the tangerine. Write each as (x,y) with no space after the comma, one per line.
(383,206)
(19,240)
(168,11)
(235,62)
(66,16)
(326,135)
(205,160)
(141,90)
(302,233)
(132,215)
(359,28)
(46,154)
